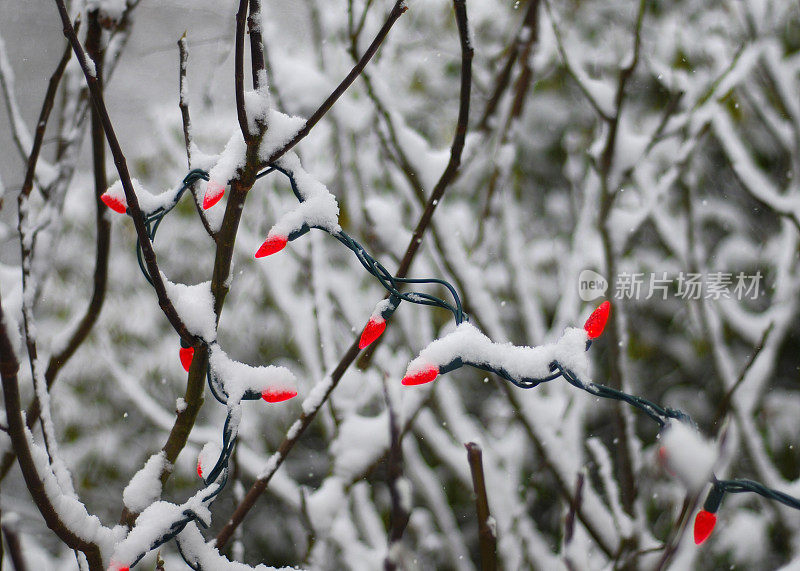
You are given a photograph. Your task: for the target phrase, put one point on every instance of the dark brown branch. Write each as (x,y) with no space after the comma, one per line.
(257,62)
(183,103)
(122,168)
(285,447)
(305,419)
(486,538)
(241,112)
(398,10)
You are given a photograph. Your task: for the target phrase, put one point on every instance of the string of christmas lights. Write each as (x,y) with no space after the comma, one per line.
(594,326)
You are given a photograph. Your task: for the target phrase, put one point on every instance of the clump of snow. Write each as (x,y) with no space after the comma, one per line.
(231,158)
(257,104)
(469,344)
(70,510)
(318,208)
(145,486)
(361,440)
(157,521)
(238,378)
(282,128)
(205,556)
(195,306)
(380,307)
(688,454)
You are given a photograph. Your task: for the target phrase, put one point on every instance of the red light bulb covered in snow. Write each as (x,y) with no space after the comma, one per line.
(597,320)
(374,329)
(186,354)
(115,203)
(272,245)
(704,524)
(214,193)
(425,375)
(278,395)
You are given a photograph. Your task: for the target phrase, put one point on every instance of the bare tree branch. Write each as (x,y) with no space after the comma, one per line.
(486,535)
(398,10)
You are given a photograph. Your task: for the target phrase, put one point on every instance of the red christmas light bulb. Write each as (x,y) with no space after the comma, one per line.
(374,329)
(272,245)
(114,203)
(278,395)
(704,524)
(199,468)
(597,320)
(421,377)
(186,354)
(214,193)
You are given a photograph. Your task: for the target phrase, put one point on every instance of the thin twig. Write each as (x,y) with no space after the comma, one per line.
(14,548)
(27,244)
(486,535)
(577,499)
(527,37)
(183,98)
(44,116)
(398,10)
(727,401)
(103,240)
(399,514)
(19,132)
(570,67)
(186,120)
